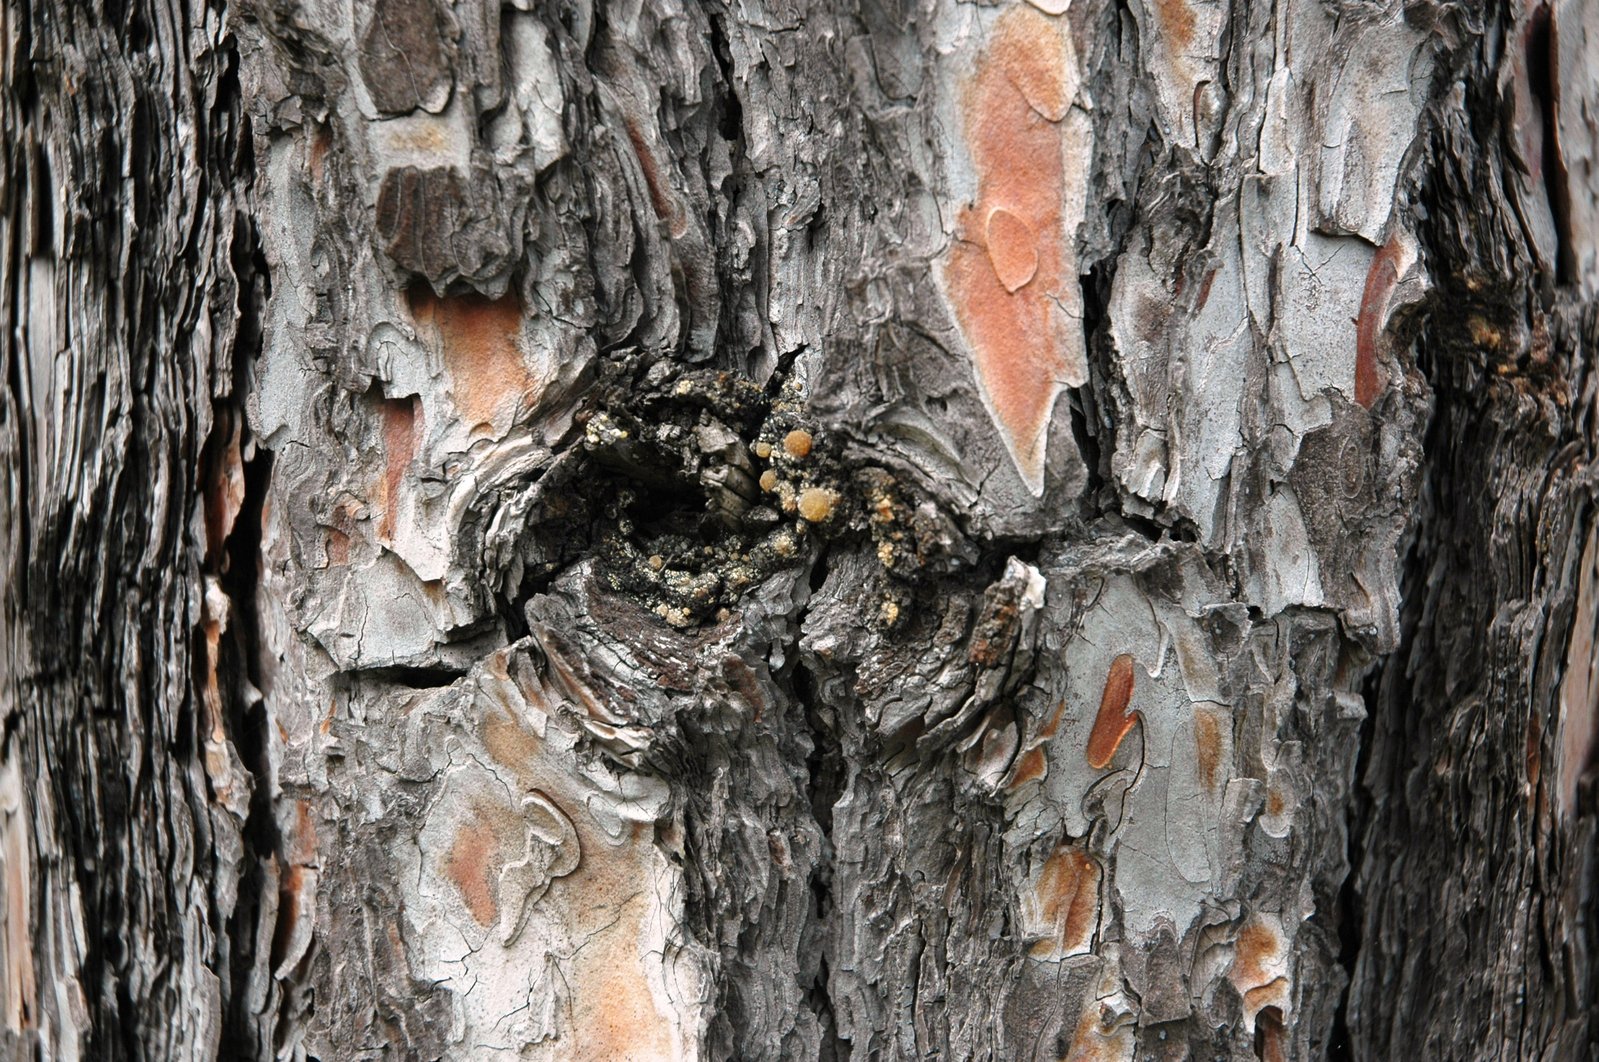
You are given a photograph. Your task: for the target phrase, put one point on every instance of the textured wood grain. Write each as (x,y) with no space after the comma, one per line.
(798,530)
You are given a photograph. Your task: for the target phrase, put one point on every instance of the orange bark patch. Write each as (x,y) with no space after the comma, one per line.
(1054,721)
(1257,944)
(624,1022)
(1067,897)
(1207,744)
(1381,280)
(511,744)
(1012,251)
(481,341)
(471,865)
(1113,721)
(1097,1037)
(338,547)
(1260,966)
(1012,258)
(607,903)
(1176,22)
(224,487)
(402,430)
(1033,764)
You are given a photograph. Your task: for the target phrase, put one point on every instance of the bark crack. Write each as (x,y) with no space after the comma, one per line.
(826,769)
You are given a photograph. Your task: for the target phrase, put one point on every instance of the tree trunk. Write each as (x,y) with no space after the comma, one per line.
(799,530)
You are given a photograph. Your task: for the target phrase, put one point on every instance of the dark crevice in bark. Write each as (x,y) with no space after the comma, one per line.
(1089,422)
(250,719)
(22,465)
(410,677)
(827,775)
(729,121)
(730,118)
(248,725)
(239,572)
(1541,59)
(1094,427)
(1349,915)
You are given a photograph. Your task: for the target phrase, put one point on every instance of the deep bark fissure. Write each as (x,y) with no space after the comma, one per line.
(1350,912)
(826,768)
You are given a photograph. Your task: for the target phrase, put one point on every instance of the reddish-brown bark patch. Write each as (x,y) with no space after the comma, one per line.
(1097,1038)
(1113,721)
(1033,764)
(481,342)
(224,486)
(402,430)
(1067,896)
(1208,747)
(299,856)
(338,547)
(1205,288)
(1054,721)
(1269,1035)
(291,887)
(1012,256)
(666,205)
(321,141)
(1257,944)
(302,843)
(471,865)
(1259,970)
(1177,23)
(1381,280)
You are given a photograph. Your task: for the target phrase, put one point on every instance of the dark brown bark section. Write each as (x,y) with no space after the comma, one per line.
(126,310)
(1476,880)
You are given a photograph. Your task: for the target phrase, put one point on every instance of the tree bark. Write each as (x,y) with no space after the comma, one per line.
(798,529)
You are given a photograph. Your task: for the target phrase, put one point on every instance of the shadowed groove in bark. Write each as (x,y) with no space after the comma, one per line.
(248,717)
(827,769)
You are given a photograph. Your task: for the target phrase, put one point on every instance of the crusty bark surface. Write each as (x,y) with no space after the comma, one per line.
(798,530)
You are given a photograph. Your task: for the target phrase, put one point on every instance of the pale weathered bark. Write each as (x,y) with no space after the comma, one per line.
(798,529)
